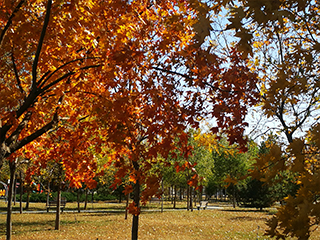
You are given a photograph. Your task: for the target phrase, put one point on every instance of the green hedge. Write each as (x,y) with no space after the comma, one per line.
(70,197)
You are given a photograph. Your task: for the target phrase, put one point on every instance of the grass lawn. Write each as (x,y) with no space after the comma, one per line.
(224,223)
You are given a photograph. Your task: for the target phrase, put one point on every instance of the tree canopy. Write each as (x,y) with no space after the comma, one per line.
(128,75)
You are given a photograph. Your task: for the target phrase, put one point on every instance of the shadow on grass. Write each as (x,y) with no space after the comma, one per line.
(32,226)
(17,209)
(102,214)
(40,226)
(246,218)
(245,210)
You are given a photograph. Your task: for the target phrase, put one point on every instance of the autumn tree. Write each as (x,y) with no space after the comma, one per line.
(281,38)
(200,162)
(139,68)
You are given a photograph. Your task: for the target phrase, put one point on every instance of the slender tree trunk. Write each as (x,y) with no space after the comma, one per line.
(21,192)
(48,193)
(15,191)
(136,200)
(188,190)
(135,219)
(127,204)
(92,194)
(233,196)
(10,194)
(191,199)
(28,197)
(57,223)
(78,200)
(162,195)
(85,199)
(175,197)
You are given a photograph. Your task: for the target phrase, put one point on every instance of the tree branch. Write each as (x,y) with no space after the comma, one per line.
(40,44)
(49,74)
(190,78)
(66,75)
(172,72)
(46,88)
(6,27)
(16,74)
(35,135)
(14,136)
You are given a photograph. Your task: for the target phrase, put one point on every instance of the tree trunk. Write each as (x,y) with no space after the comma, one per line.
(21,192)
(136,200)
(127,204)
(57,223)
(28,197)
(120,197)
(175,197)
(15,191)
(92,194)
(85,199)
(10,194)
(191,198)
(78,200)
(162,195)
(48,193)
(188,195)
(135,219)
(234,196)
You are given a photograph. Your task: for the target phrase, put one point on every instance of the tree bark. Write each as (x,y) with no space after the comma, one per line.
(135,219)
(12,166)
(136,200)
(48,193)
(162,195)
(78,200)
(57,222)
(191,198)
(15,191)
(120,195)
(28,197)
(21,192)
(85,199)
(127,204)
(188,194)
(234,196)
(175,197)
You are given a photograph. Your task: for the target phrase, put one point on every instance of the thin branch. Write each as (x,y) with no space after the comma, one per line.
(45,77)
(6,27)
(40,44)
(190,78)
(47,88)
(308,110)
(280,46)
(263,133)
(16,74)
(14,136)
(66,75)
(172,72)
(36,134)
